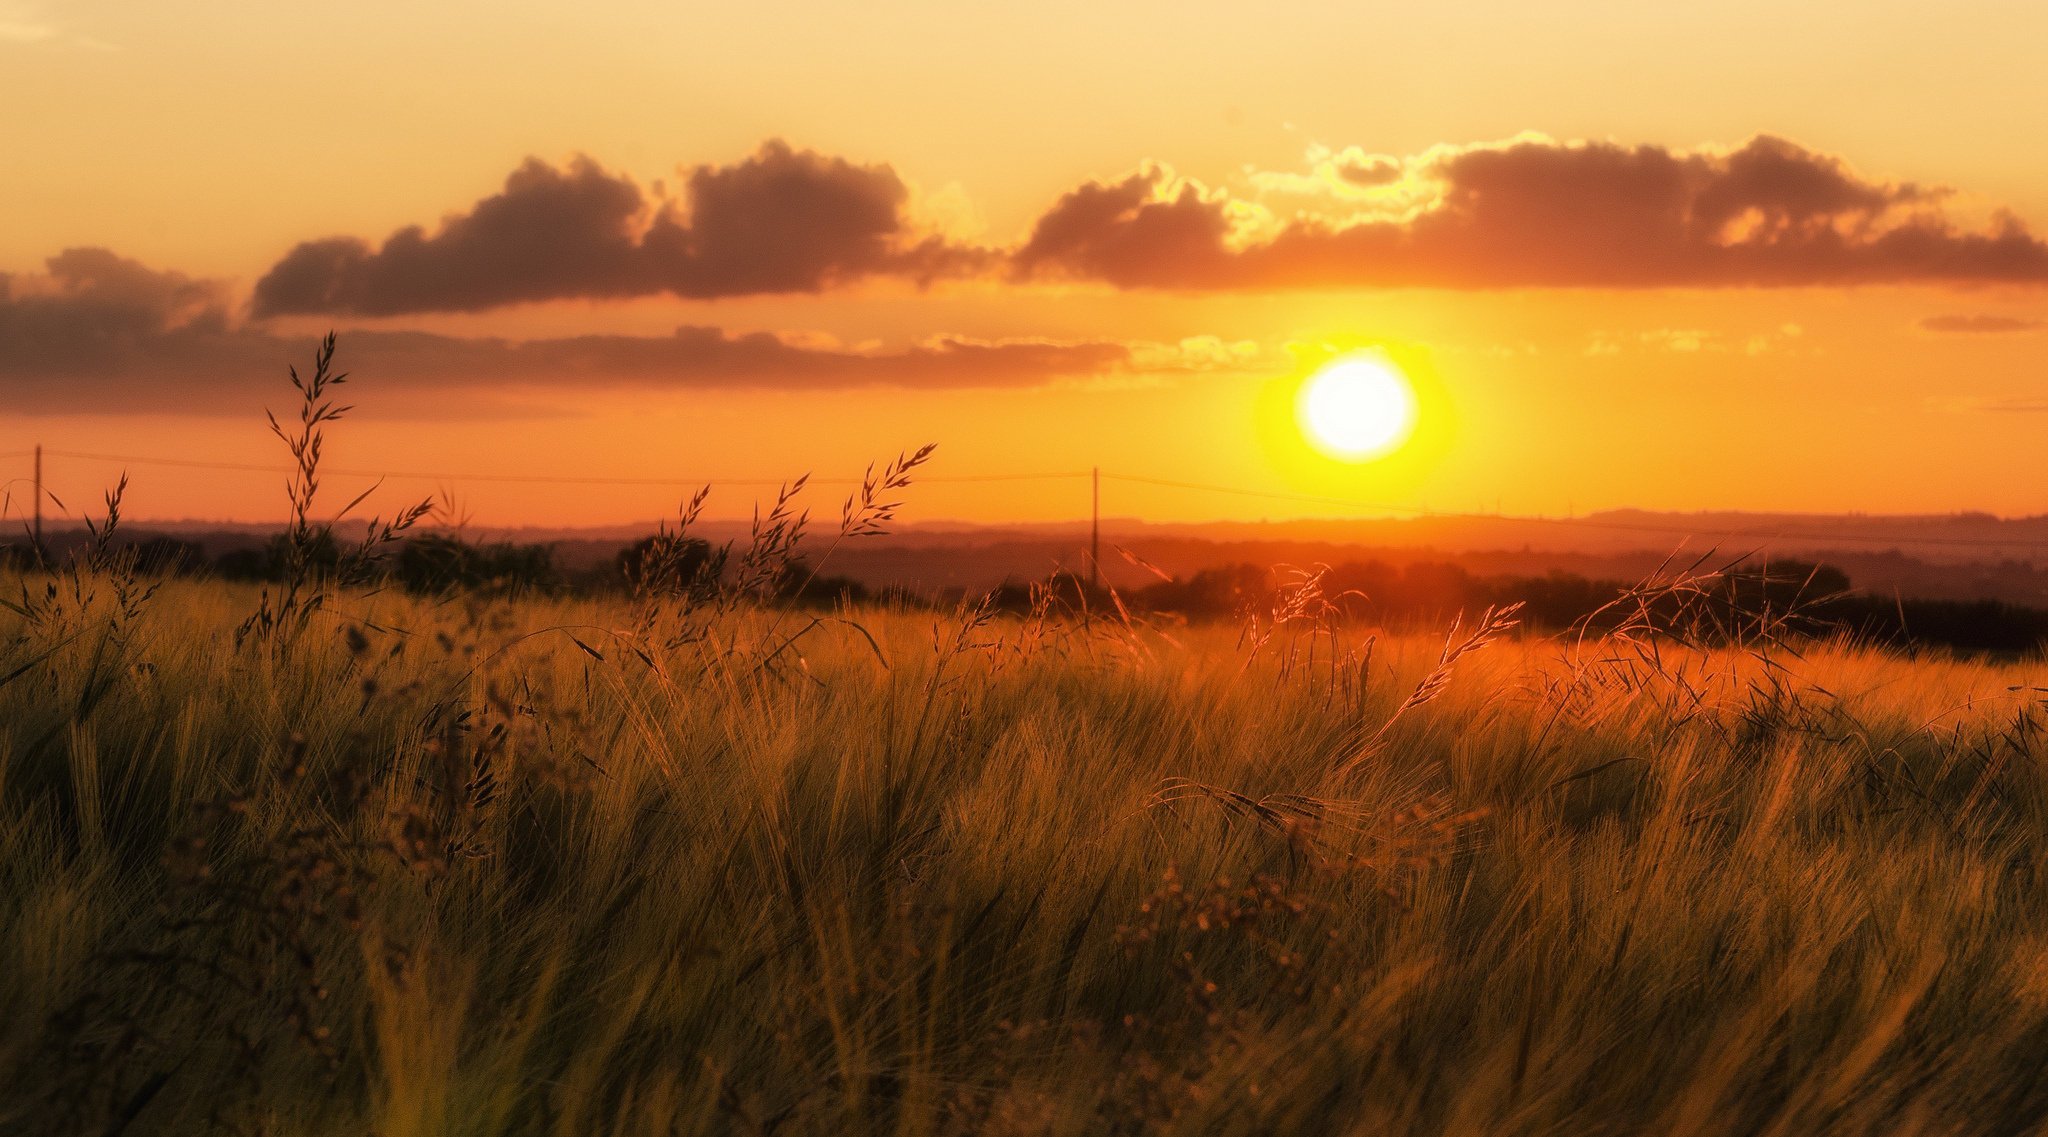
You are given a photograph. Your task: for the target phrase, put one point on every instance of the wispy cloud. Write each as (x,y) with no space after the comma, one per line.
(1688,341)
(17,26)
(27,25)
(1981,324)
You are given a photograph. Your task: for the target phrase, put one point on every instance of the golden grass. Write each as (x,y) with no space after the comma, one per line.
(434,868)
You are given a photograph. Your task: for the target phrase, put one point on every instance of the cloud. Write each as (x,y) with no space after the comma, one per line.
(707,358)
(25,25)
(91,308)
(1692,341)
(549,234)
(25,31)
(98,333)
(1531,213)
(1980,324)
(1147,230)
(781,221)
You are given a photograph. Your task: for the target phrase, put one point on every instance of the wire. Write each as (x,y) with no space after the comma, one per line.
(537,479)
(1062,475)
(1142,480)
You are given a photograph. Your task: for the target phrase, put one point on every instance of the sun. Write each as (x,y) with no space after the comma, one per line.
(1357,408)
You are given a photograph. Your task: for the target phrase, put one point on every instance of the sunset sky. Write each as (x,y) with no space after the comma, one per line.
(1733,255)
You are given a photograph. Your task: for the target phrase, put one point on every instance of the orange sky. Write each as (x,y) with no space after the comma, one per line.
(1556,214)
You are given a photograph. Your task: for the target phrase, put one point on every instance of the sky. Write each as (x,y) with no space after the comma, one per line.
(1784,256)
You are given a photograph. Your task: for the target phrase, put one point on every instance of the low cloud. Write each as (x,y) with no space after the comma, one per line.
(1981,325)
(98,333)
(1531,213)
(781,221)
(91,309)
(1528,213)
(1691,341)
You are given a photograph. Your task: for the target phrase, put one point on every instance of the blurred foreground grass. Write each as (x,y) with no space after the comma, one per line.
(479,866)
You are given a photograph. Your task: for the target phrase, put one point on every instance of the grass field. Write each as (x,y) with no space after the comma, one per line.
(478,866)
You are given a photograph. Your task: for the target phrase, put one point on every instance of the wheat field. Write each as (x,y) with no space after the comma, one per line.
(478,865)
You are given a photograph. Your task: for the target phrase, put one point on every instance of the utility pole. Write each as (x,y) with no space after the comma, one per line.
(38,531)
(1095,529)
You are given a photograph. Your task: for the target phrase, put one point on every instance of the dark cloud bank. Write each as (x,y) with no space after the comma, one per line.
(1532,213)
(1535,214)
(781,221)
(1982,325)
(101,333)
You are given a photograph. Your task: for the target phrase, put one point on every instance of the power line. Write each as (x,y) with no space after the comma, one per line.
(535,479)
(1419,512)
(1275,496)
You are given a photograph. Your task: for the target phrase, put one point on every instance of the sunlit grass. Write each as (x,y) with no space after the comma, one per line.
(423,871)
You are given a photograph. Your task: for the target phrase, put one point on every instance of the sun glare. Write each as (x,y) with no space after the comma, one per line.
(1357,408)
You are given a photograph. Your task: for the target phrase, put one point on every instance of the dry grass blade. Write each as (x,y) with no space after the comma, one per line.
(313,563)
(867,513)
(1492,625)
(1337,833)
(1273,811)
(1137,561)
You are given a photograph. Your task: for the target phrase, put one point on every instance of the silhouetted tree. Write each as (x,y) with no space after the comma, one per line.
(322,552)
(167,556)
(438,564)
(669,563)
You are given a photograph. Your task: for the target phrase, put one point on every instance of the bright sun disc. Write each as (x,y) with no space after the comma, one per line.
(1357,408)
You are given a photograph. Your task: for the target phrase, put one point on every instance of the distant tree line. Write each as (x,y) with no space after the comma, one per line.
(439,563)
(1797,597)
(1806,598)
